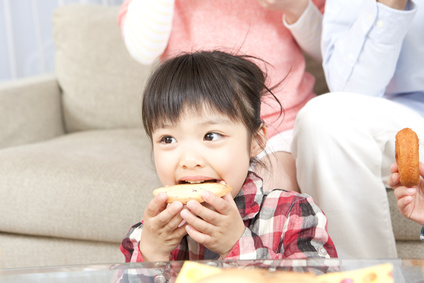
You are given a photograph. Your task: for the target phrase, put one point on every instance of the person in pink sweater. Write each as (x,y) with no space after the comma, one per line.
(274,30)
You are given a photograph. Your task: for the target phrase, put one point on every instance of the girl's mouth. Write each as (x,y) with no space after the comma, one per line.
(198,181)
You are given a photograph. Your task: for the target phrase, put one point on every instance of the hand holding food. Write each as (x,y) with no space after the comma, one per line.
(162,229)
(209,224)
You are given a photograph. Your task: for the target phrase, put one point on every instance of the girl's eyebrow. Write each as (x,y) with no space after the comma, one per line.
(215,120)
(204,122)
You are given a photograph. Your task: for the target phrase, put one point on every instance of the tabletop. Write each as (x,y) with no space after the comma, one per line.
(404,270)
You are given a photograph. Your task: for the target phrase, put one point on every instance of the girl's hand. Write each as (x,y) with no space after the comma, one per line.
(161,232)
(292,9)
(218,228)
(410,200)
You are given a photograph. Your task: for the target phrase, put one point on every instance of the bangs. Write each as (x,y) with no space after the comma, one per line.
(196,82)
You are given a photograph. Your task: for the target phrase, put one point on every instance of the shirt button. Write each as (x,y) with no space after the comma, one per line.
(380,24)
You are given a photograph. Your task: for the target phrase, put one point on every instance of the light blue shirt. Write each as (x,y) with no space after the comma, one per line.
(372,49)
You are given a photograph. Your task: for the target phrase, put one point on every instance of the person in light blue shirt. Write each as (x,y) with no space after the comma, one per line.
(410,200)
(373,58)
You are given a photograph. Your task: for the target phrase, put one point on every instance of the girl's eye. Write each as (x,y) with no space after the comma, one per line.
(212,136)
(167,139)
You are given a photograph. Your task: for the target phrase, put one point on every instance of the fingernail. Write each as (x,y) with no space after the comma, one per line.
(182,223)
(205,194)
(162,196)
(177,205)
(184,213)
(190,204)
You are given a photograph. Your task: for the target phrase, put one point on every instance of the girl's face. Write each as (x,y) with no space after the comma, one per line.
(204,147)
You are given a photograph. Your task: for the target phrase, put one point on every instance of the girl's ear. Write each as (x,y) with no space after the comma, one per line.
(259,141)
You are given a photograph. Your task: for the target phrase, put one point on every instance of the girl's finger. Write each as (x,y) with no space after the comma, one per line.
(208,210)
(196,235)
(197,222)
(156,205)
(220,204)
(168,224)
(180,231)
(169,217)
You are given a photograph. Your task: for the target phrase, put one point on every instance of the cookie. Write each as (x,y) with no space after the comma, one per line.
(186,192)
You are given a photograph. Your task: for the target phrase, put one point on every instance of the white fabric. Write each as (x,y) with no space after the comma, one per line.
(344,142)
(344,146)
(147,28)
(307,30)
(279,142)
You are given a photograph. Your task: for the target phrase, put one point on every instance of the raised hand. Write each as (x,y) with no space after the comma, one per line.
(217,224)
(410,200)
(292,9)
(161,229)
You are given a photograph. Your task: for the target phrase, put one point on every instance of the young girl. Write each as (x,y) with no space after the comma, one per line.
(202,113)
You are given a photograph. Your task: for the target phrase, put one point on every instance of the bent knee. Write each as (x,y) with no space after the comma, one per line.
(328,111)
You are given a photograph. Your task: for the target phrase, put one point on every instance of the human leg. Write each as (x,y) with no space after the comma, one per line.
(344,146)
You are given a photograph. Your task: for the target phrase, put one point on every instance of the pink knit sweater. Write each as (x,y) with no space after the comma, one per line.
(243,26)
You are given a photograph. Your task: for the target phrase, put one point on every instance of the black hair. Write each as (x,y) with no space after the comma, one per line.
(229,84)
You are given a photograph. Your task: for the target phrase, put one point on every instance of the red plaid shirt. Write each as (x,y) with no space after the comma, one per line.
(279,224)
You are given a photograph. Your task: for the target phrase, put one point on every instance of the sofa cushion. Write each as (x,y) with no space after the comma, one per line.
(30,110)
(43,251)
(101,83)
(90,185)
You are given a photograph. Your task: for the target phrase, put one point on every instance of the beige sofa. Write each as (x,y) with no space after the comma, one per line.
(75,165)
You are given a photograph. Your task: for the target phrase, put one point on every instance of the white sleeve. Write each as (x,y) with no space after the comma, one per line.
(147,27)
(307,31)
(361,44)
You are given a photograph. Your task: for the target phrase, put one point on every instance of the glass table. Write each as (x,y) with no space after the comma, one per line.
(405,271)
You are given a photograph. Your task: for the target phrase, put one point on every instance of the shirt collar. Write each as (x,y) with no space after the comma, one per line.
(249,198)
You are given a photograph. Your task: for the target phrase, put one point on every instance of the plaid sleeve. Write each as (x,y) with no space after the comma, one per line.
(249,246)
(305,232)
(288,225)
(130,244)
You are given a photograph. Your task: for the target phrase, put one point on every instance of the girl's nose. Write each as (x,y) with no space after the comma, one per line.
(191,159)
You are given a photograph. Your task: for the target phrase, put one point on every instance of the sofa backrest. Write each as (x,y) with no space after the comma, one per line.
(101,84)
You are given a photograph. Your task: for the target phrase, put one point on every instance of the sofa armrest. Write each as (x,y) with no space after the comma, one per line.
(30,110)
